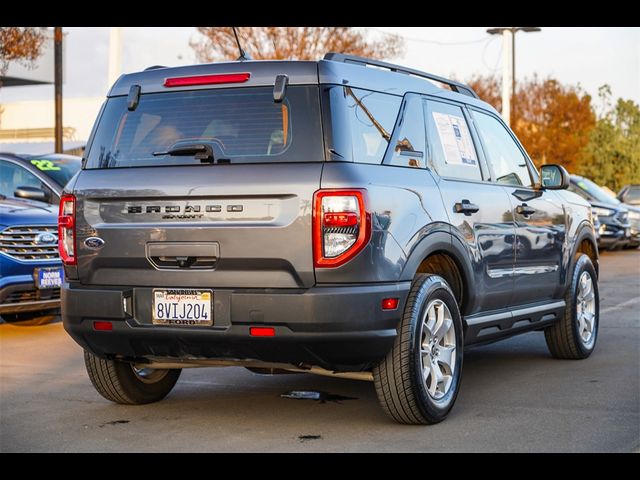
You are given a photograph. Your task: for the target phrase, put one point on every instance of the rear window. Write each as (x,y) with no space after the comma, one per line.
(59,169)
(243,125)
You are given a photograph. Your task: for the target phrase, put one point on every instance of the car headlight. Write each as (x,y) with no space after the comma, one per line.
(602,212)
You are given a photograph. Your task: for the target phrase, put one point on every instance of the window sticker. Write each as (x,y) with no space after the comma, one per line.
(455,139)
(45,165)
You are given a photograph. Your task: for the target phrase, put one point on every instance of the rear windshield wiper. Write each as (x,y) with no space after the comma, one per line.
(201,151)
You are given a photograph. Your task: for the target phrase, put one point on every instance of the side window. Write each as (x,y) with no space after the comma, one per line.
(451,149)
(371,117)
(13,176)
(508,161)
(408,142)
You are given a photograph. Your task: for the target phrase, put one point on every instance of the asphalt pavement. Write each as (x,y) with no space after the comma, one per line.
(514,397)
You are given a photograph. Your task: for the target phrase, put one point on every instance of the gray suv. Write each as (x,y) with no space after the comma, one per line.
(345,217)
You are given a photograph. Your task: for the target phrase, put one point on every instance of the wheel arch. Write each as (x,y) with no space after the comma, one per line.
(442,253)
(585,242)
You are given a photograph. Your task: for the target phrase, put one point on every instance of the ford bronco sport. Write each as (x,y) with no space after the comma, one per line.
(346,217)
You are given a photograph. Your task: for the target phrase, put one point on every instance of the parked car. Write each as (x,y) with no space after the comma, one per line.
(316,217)
(616,230)
(630,194)
(29,262)
(39,178)
(30,268)
(630,197)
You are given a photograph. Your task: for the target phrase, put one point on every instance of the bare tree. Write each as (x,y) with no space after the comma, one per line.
(23,44)
(291,43)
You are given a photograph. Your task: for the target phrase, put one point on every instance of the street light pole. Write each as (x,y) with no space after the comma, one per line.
(57,60)
(509,65)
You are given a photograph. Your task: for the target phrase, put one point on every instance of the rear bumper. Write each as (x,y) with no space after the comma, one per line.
(337,328)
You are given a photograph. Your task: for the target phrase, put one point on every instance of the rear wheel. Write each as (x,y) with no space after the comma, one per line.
(418,381)
(126,383)
(574,335)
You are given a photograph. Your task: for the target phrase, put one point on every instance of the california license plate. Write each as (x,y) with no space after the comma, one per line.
(184,307)
(47,278)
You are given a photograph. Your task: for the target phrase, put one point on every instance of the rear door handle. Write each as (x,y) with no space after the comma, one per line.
(525,210)
(466,207)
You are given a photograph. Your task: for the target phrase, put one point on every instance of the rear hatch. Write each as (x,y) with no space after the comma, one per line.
(209,187)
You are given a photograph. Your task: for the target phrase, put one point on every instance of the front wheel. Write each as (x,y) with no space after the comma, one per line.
(574,335)
(125,383)
(418,381)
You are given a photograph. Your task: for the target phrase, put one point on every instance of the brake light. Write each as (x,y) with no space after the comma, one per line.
(207,79)
(67,229)
(341,226)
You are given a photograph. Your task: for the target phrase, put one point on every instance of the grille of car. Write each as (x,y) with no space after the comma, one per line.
(32,296)
(30,243)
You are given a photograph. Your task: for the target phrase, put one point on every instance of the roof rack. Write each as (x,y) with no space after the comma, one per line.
(455,86)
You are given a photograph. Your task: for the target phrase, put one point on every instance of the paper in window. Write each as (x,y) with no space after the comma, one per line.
(455,139)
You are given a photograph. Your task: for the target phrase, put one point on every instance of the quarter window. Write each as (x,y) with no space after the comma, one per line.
(508,161)
(370,119)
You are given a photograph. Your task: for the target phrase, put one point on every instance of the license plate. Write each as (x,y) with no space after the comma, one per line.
(627,232)
(47,278)
(183,307)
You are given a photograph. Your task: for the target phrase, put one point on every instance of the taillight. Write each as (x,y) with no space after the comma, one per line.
(341,226)
(207,79)
(67,229)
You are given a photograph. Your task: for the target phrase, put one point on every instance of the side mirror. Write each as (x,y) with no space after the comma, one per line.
(31,193)
(554,177)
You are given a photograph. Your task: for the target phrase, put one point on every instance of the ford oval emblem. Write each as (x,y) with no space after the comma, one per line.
(45,238)
(94,243)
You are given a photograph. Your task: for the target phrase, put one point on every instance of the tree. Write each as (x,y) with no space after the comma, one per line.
(23,44)
(612,156)
(290,43)
(553,121)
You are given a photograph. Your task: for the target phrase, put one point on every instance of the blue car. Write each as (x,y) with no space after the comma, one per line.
(30,268)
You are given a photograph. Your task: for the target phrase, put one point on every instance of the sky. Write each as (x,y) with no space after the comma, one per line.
(588,56)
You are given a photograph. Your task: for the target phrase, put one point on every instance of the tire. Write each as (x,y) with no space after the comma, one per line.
(31,319)
(568,338)
(404,393)
(119,382)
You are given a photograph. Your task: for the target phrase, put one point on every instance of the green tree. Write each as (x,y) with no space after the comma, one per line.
(552,120)
(612,155)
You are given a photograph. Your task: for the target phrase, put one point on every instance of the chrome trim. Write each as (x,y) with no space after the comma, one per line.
(512,272)
(19,243)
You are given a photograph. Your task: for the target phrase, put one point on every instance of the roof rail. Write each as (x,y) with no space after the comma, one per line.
(154,67)
(455,86)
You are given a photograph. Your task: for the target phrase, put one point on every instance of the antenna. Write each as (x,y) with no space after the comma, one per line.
(243,55)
